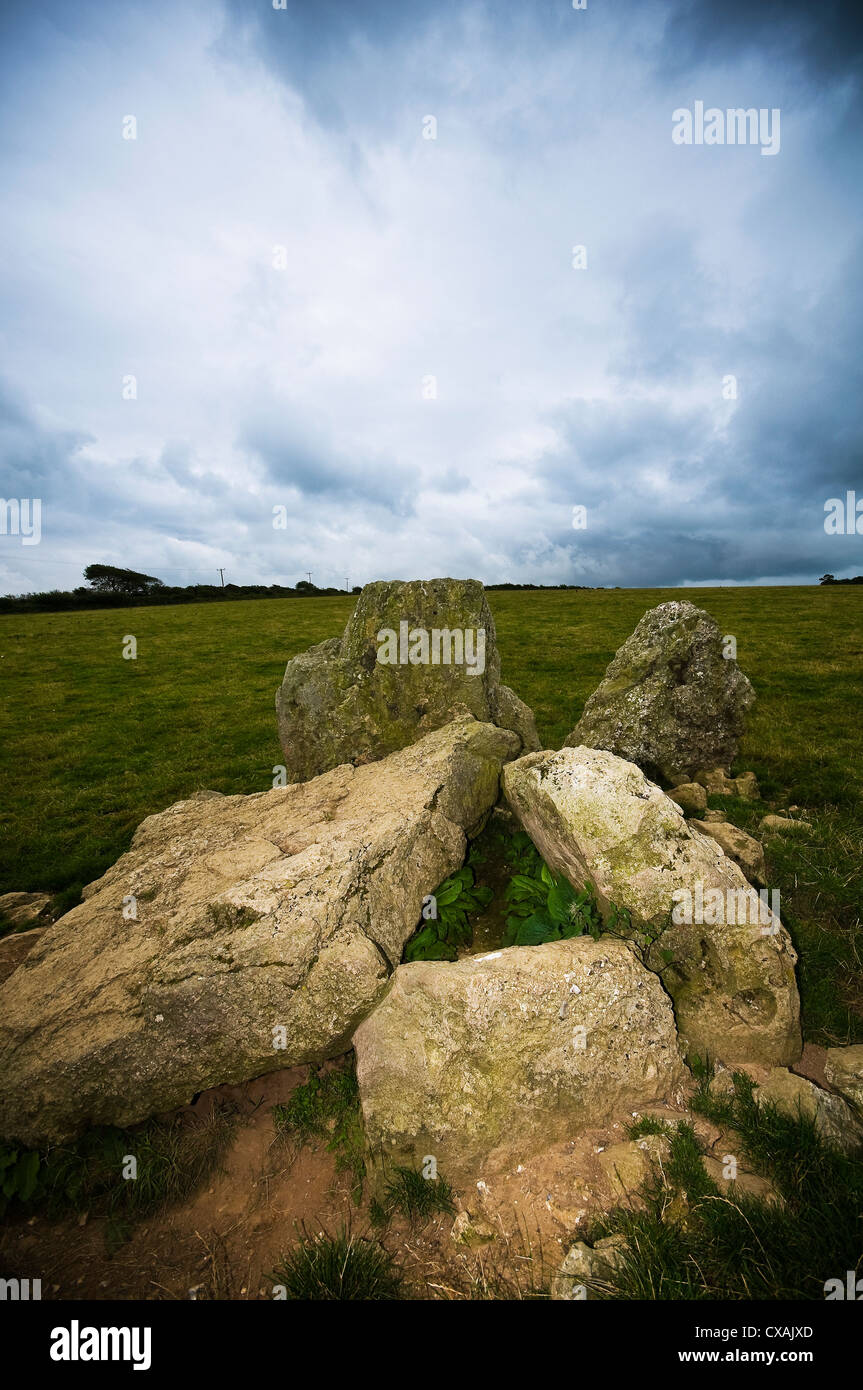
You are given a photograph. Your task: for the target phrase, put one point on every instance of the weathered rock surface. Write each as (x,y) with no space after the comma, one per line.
(833,1117)
(690,797)
(286,909)
(15,948)
(585,1264)
(628,1166)
(843,1070)
(340,703)
(746,852)
(669,701)
(784,825)
(717,782)
(21,908)
(494,1057)
(597,819)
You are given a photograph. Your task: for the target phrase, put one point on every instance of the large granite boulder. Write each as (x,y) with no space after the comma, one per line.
(495,1057)
(238,935)
(724,957)
(410,659)
(670,701)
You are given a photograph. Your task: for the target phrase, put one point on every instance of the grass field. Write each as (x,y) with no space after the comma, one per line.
(91,743)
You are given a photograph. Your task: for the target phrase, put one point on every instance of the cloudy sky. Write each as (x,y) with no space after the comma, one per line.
(321,309)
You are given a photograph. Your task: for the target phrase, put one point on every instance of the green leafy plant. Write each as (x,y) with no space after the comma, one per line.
(440,937)
(545,908)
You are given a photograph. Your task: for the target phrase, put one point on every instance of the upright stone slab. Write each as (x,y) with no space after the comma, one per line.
(728,965)
(670,701)
(410,660)
(238,935)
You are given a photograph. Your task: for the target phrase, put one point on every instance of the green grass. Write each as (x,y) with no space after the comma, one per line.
(174,1157)
(409,1192)
(90,744)
(327,1106)
(338,1268)
(690,1240)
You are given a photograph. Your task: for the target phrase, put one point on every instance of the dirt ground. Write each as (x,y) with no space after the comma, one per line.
(224,1242)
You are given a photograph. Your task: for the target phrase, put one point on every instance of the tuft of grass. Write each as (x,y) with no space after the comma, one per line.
(327,1106)
(647,1124)
(821,893)
(417,1197)
(692,1240)
(339,1267)
(174,1157)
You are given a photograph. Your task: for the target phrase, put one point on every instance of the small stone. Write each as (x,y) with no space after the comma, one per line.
(843,1070)
(745,851)
(691,797)
(627,1166)
(784,825)
(746,787)
(584,1263)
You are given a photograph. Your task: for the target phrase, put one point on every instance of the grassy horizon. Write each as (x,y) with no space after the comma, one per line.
(91,743)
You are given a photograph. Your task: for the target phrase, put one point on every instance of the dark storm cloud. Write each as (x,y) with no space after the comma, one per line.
(315,470)
(407,259)
(824,39)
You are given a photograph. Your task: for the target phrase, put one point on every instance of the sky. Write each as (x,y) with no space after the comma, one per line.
(296,290)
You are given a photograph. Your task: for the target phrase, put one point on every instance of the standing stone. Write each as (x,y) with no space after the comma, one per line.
(597,819)
(670,701)
(237,936)
(499,1056)
(347,701)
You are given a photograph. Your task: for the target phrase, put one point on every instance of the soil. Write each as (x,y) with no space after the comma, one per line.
(225,1241)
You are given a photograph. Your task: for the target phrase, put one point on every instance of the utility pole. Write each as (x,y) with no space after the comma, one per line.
(347,585)
(309,573)
(222,577)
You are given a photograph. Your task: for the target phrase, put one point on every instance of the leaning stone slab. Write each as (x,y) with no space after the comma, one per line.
(410,660)
(670,701)
(725,959)
(497,1056)
(264,929)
